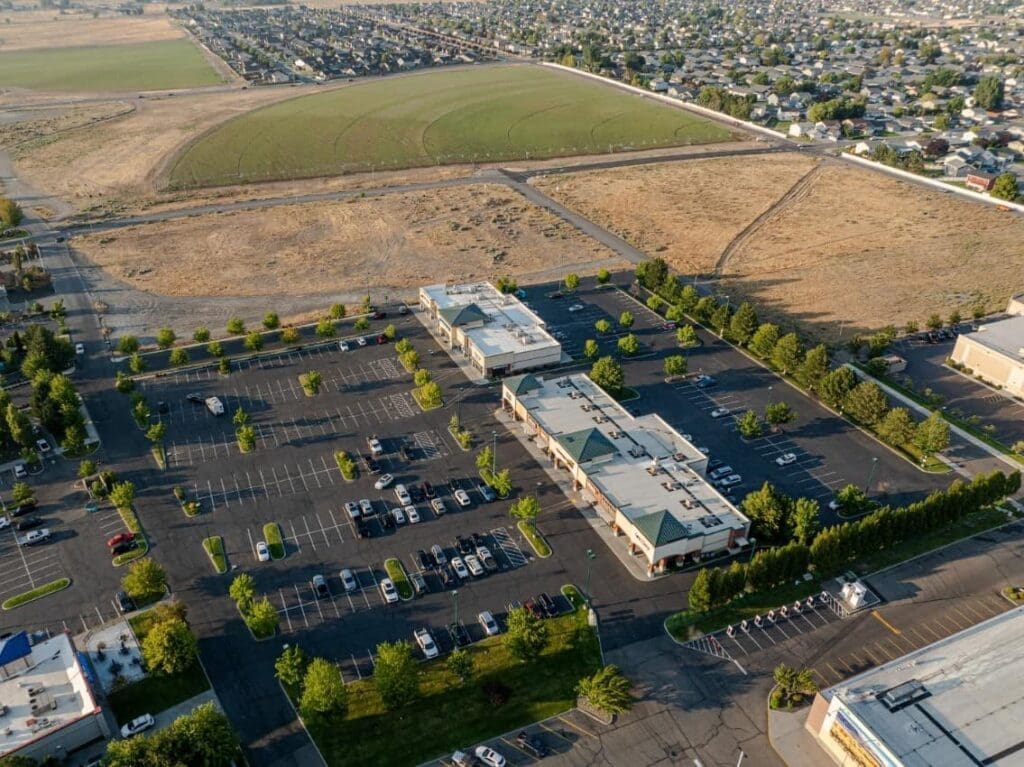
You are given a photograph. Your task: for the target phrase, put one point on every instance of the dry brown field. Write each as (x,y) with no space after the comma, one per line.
(49,29)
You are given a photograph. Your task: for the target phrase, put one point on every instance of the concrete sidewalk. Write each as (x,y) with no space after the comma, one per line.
(794,744)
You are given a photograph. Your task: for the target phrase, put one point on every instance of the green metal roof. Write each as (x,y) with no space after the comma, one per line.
(586,445)
(463,315)
(661,528)
(522,384)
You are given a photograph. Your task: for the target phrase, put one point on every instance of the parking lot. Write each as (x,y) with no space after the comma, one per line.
(828,453)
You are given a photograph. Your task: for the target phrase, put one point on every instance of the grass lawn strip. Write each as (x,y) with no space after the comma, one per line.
(396,572)
(446,716)
(272,534)
(533,535)
(346,465)
(37,593)
(214,546)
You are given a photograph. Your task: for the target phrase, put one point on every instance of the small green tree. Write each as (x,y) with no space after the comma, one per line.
(390,331)
(485,458)
(628,345)
(626,320)
(86,468)
(243,591)
(337,311)
(572,281)
(1005,187)
(366,305)
(201,334)
(127,344)
(178,357)
(502,483)
(699,595)
(224,366)
(290,666)
(675,365)
(526,635)
(361,324)
(897,428)
(122,495)
(235,326)
(687,336)
(787,353)
(323,691)
(290,336)
(934,322)
(526,508)
(214,349)
(246,436)
(325,328)
(253,341)
(156,432)
(421,377)
(21,492)
(866,403)
(591,349)
(750,425)
(311,382)
(603,276)
(240,418)
(607,690)
(430,395)
(603,326)
(835,385)
(145,579)
(743,324)
(165,338)
(271,321)
(813,368)
(136,363)
(932,434)
(607,373)
(804,520)
(262,618)
(396,674)
(763,342)
(778,413)
(170,647)
(460,665)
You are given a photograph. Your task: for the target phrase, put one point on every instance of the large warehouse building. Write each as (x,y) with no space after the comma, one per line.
(995,351)
(956,703)
(643,478)
(495,332)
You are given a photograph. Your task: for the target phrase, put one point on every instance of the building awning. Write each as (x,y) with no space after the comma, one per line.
(14,648)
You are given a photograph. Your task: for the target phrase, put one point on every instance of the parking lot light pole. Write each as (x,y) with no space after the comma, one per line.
(591,556)
(871,474)
(494,452)
(455,602)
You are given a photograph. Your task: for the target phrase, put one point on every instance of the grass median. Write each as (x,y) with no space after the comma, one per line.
(214,546)
(346,465)
(534,536)
(37,593)
(446,716)
(272,534)
(396,572)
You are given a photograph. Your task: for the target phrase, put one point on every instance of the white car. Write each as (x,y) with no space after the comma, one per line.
(375,447)
(462,497)
(438,506)
(348,580)
(79,349)
(383,481)
(489,756)
(343,346)
(399,516)
(137,725)
(352,508)
(366,506)
(35,536)
(361,341)
(262,551)
(490,626)
(20,472)
(5,522)
(43,445)
(474,565)
(785,459)
(720,412)
(576,308)
(402,495)
(835,505)
(460,568)
(388,590)
(730,481)
(426,643)
(412,514)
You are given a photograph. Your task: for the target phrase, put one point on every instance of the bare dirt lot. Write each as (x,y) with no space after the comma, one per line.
(43,124)
(398,241)
(39,29)
(835,248)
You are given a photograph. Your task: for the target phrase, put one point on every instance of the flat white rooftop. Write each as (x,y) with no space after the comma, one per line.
(509,325)
(42,687)
(1003,336)
(651,468)
(956,703)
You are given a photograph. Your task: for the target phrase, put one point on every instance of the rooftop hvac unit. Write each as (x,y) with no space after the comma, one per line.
(585,408)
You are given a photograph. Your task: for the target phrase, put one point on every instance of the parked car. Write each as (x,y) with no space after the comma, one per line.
(388,590)
(730,481)
(556,295)
(362,529)
(403,309)
(361,341)
(376,448)
(26,507)
(438,506)
(352,509)
(79,349)
(460,568)
(383,481)
(489,756)
(532,744)
(426,643)
(320,587)
(388,520)
(124,602)
(366,507)
(381,339)
(412,514)
(35,537)
(720,412)
(416,493)
(379,315)
(398,515)
(721,471)
(5,522)
(473,564)
(446,576)
(440,558)
(486,559)
(196,399)
(429,491)
(343,346)
(462,498)
(120,538)
(785,459)
(704,381)
(402,495)
(486,492)
(424,559)
(458,634)
(122,548)
(137,725)
(464,545)
(371,465)
(462,759)
(348,580)
(535,609)
(576,308)
(419,584)
(547,604)
(487,622)
(20,471)
(262,551)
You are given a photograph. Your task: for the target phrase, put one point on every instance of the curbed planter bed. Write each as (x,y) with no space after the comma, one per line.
(37,593)
(214,547)
(272,534)
(540,545)
(396,572)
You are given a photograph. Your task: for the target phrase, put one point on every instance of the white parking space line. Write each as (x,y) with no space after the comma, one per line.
(309,534)
(295,537)
(335,525)
(301,606)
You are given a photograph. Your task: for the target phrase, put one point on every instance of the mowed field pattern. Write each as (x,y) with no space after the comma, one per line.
(156,65)
(480,114)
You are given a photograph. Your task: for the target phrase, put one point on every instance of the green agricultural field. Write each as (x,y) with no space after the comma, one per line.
(133,67)
(439,117)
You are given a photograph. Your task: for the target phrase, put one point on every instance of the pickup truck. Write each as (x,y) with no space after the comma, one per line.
(35,537)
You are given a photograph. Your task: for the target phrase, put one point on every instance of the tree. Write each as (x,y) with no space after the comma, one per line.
(203,737)
(769,509)
(21,492)
(778,413)
(591,349)
(506,284)
(934,322)
(835,385)
(628,345)
(128,344)
(323,691)
(136,363)
(603,276)
(290,336)
(396,674)
(390,332)
(687,336)
(122,495)
(325,327)
(804,520)
(485,458)
(743,324)
(749,425)
(932,434)
(652,273)
(699,596)
(290,666)
(607,373)
(246,437)
(1005,187)
(271,321)
(526,508)
(311,381)
(262,618)
(178,357)
(156,432)
(243,591)
(165,338)
(988,93)
(866,403)
(201,334)
(675,365)
(145,579)
(794,682)
(421,377)
(134,752)
(762,343)
(337,311)
(86,468)
(897,428)
(460,665)
(626,320)
(361,324)
(10,213)
(235,326)
(813,368)
(786,354)
(526,635)
(572,281)
(607,690)
(214,349)
(955,317)
(170,647)
(502,483)
(603,326)
(430,395)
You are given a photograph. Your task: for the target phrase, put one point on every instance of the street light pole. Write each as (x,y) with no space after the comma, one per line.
(871,474)
(591,556)
(494,453)
(455,602)
(740,760)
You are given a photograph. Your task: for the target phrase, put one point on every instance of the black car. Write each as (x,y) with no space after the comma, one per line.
(459,634)
(163,408)
(371,465)
(547,604)
(388,521)
(405,453)
(532,744)
(124,602)
(425,560)
(416,492)
(453,485)
(26,507)
(464,545)
(28,523)
(122,547)
(713,464)
(196,399)
(556,295)
(429,491)
(362,529)
(447,577)
(479,540)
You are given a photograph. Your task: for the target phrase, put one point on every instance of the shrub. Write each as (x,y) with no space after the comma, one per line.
(178,357)
(128,344)
(214,349)
(201,334)
(289,335)
(271,320)
(253,341)
(235,326)
(165,338)
(325,327)
(337,311)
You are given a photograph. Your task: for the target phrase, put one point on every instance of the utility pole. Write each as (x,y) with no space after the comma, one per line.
(871,474)
(455,603)
(591,556)
(494,453)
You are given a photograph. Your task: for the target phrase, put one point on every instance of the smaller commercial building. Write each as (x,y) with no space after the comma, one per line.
(955,703)
(47,705)
(494,331)
(644,479)
(995,351)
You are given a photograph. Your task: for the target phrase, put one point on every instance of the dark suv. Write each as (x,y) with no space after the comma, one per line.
(532,744)
(459,634)
(547,604)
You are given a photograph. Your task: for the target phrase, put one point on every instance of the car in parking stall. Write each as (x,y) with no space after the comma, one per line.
(460,568)
(122,548)
(20,470)
(353,510)
(388,591)
(424,560)
(437,504)
(383,481)
(532,744)
(398,515)
(719,472)
(458,634)
(463,544)
(262,551)
(124,602)
(419,584)
(343,346)
(547,604)
(704,381)
(486,492)
(366,507)
(462,498)
(785,459)
(35,537)
(488,623)
(486,559)
(474,566)
(320,589)
(348,580)
(429,491)
(731,481)
(376,448)
(720,412)
(412,514)
(440,558)
(426,643)
(490,757)
(402,494)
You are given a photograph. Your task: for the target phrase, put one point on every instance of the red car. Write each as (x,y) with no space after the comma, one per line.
(120,538)
(382,339)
